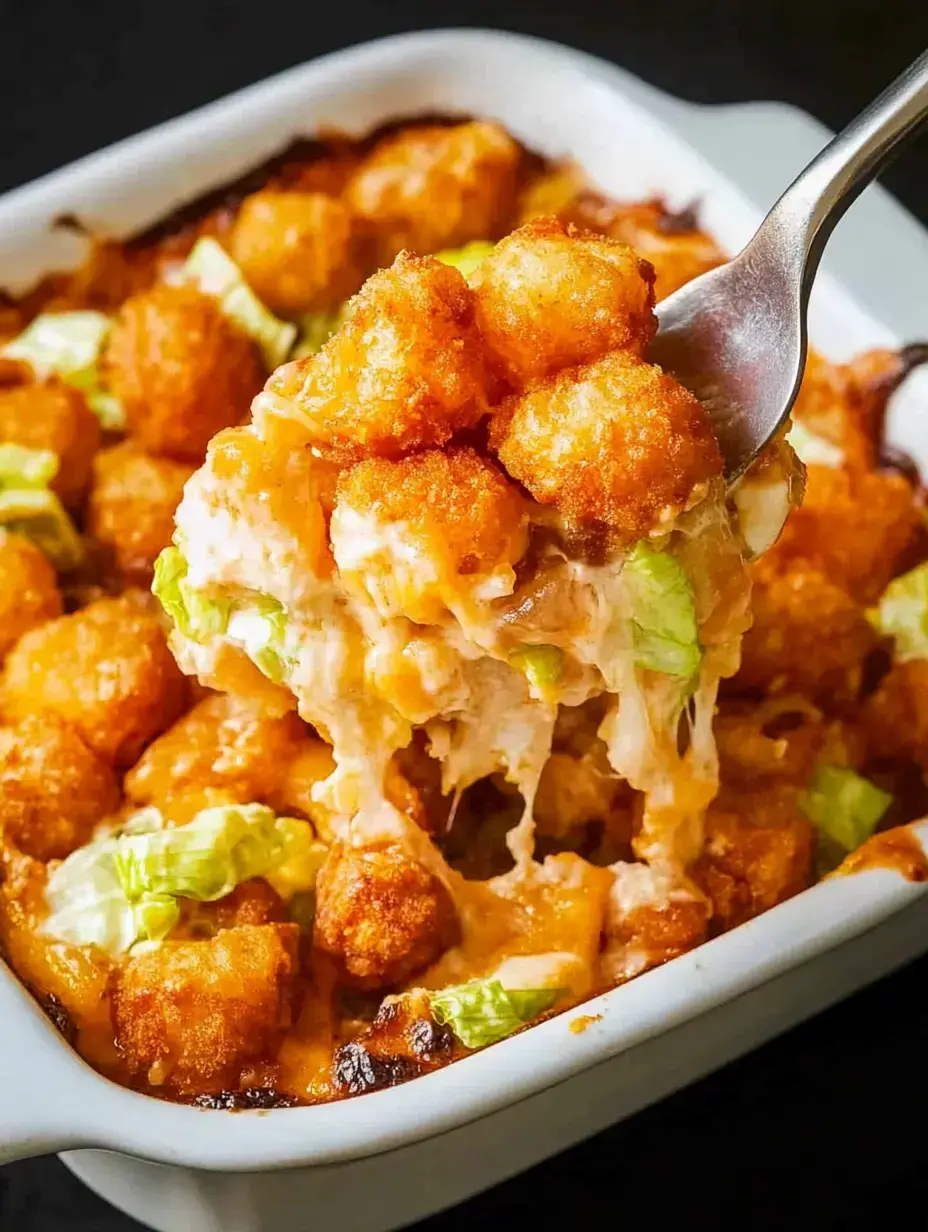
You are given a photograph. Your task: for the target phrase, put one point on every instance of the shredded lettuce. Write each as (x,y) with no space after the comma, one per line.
(902,614)
(211,269)
(542,666)
(846,809)
(261,627)
(466,259)
(69,344)
(195,615)
(207,858)
(29,508)
(665,635)
(812,449)
(123,888)
(483,1011)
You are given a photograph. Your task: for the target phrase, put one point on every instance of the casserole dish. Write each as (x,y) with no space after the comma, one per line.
(534,1094)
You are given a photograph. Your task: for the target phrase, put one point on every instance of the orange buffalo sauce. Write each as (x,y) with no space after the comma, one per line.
(899,849)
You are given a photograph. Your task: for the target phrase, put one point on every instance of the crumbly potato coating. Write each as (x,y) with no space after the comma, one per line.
(131,507)
(297,250)
(106,671)
(808,636)
(223,742)
(182,370)
(428,187)
(382,916)
(29,593)
(190,1014)
(779,741)
(405,371)
(754,858)
(457,513)
(49,415)
(550,296)
(53,790)
(653,933)
(855,528)
(618,442)
(895,716)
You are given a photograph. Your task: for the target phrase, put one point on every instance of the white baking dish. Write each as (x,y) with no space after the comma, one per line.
(381,1160)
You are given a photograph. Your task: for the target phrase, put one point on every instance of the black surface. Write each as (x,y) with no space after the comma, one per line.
(825,1127)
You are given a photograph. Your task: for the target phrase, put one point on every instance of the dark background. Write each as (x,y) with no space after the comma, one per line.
(825,1127)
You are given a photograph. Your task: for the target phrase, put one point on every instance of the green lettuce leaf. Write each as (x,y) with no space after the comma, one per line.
(195,615)
(29,508)
(542,666)
(845,808)
(902,614)
(483,1011)
(69,344)
(665,635)
(211,269)
(261,628)
(466,259)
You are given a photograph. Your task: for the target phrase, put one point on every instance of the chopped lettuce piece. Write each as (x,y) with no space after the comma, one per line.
(812,449)
(665,635)
(261,627)
(211,269)
(29,508)
(845,807)
(483,1011)
(195,615)
(902,614)
(209,856)
(542,666)
(69,345)
(466,259)
(88,906)
(316,328)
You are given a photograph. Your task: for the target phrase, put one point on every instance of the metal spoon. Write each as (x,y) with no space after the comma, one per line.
(737,336)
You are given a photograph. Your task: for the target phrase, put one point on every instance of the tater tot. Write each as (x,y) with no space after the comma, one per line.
(222,742)
(618,442)
(131,507)
(29,593)
(53,790)
(672,243)
(808,636)
(754,858)
(404,371)
(382,916)
(779,741)
(428,187)
(855,528)
(106,671)
(895,716)
(189,1014)
(52,416)
(297,250)
(424,529)
(550,296)
(182,370)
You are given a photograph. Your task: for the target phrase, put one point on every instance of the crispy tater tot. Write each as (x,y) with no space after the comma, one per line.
(779,740)
(808,636)
(756,855)
(29,593)
(189,1014)
(671,242)
(404,371)
(428,187)
(48,415)
(550,296)
(181,369)
(382,916)
(106,671)
(131,507)
(251,902)
(855,528)
(53,790)
(895,716)
(222,742)
(618,442)
(297,250)
(429,528)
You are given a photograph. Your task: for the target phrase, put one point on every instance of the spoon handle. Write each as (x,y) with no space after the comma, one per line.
(816,200)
